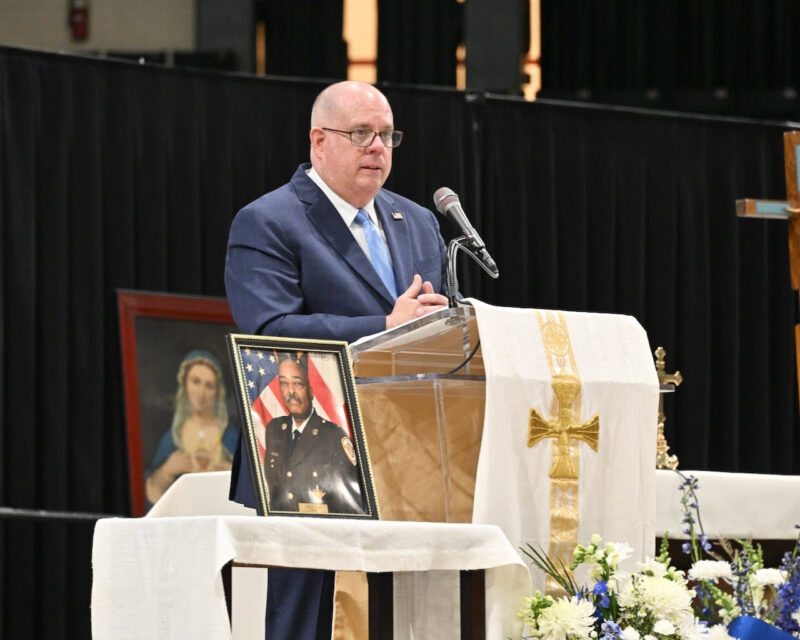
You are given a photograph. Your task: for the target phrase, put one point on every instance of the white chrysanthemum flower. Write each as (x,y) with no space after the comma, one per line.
(666,598)
(711,570)
(767,578)
(565,618)
(651,565)
(616,552)
(719,632)
(664,627)
(649,637)
(692,629)
(629,633)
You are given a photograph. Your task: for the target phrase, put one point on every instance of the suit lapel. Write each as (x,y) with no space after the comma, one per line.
(276,442)
(398,239)
(329,223)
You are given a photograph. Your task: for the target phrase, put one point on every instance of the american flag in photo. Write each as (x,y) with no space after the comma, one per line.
(261,378)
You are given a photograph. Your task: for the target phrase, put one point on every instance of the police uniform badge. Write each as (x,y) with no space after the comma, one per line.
(347,445)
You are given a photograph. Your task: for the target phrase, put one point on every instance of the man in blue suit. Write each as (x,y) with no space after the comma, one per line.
(331,255)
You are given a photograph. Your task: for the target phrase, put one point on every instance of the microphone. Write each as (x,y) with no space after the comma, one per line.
(447,203)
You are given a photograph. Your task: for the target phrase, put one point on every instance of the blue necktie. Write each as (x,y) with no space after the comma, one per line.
(378,252)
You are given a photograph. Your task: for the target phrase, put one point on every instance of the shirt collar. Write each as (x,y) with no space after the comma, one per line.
(303,425)
(345,209)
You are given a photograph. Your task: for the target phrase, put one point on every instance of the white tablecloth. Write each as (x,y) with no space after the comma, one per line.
(732,505)
(160,577)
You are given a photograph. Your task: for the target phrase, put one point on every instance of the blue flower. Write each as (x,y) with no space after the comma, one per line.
(610,631)
(788,596)
(600,588)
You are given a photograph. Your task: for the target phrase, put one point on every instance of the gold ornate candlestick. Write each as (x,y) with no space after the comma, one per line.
(663,459)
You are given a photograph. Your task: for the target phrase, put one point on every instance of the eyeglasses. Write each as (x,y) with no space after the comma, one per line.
(365,137)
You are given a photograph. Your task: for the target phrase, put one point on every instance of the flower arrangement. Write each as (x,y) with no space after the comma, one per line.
(652,603)
(718,599)
(734,587)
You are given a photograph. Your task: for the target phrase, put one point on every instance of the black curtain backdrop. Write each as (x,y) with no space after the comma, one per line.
(711,56)
(417,41)
(638,44)
(116,175)
(304,38)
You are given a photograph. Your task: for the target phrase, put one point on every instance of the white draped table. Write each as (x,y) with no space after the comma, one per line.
(732,505)
(160,577)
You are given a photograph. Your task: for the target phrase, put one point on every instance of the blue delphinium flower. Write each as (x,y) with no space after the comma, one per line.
(601,590)
(788,597)
(610,631)
(741,568)
(691,518)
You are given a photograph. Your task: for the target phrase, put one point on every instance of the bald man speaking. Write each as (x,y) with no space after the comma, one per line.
(331,255)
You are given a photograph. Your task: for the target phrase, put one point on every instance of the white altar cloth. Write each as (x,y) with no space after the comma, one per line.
(160,577)
(732,505)
(616,484)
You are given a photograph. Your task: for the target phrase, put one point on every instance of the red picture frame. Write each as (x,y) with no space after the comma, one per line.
(156,331)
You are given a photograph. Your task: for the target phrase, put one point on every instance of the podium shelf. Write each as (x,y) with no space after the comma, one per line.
(436,343)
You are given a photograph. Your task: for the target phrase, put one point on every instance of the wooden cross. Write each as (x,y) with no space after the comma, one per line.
(565,428)
(788,210)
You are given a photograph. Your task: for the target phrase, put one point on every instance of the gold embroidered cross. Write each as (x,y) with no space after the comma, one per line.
(565,427)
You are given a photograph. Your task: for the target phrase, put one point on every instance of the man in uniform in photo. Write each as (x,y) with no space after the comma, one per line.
(310,463)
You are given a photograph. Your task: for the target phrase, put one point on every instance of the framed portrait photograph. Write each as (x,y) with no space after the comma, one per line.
(298,407)
(180,404)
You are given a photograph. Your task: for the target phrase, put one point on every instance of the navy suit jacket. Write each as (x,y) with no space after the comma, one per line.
(294,269)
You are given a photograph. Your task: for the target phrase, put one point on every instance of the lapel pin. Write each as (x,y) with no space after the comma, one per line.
(397,215)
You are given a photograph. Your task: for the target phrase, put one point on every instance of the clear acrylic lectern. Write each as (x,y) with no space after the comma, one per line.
(422,403)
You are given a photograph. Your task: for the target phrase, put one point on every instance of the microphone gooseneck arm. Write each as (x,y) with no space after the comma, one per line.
(453,247)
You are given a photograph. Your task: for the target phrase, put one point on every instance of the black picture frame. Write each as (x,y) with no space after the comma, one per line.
(327,473)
